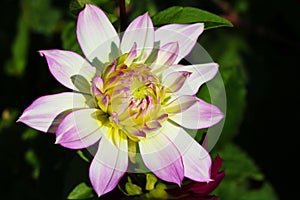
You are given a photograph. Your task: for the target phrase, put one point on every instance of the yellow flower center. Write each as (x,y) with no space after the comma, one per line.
(132,97)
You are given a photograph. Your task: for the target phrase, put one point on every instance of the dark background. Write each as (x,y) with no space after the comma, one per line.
(268,129)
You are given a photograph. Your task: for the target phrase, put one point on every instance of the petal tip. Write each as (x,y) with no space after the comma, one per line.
(58,139)
(41,52)
(90,7)
(19,119)
(146,15)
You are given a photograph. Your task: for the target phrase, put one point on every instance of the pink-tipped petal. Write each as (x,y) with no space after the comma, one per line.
(70,69)
(42,112)
(131,55)
(166,56)
(199,115)
(185,35)
(152,125)
(175,81)
(97,85)
(141,32)
(162,157)
(80,129)
(196,160)
(200,74)
(180,104)
(96,35)
(108,165)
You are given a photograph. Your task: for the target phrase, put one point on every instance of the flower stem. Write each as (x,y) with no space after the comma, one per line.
(122,15)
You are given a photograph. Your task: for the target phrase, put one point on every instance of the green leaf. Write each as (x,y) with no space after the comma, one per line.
(186,15)
(16,64)
(81,191)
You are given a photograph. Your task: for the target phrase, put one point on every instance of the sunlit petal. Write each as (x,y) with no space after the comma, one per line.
(185,34)
(96,35)
(162,157)
(196,159)
(42,113)
(200,74)
(109,164)
(141,32)
(70,69)
(199,115)
(80,129)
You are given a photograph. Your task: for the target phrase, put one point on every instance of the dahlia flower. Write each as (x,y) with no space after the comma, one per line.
(129,96)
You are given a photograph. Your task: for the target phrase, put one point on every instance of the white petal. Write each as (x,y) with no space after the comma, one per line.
(180,104)
(196,159)
(70,69)
(199,115)
(131,55)
(109,165)
(166,56)
(185,35)
(42,113)
(200,74)
(80,129)
(141,32)
(162,157)
(96,35)
(175,81)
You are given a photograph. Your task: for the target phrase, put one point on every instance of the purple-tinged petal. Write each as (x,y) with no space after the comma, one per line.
(200,74)
(196,159)
(199,115)
(185,35)
(130,126)
(180,104)
(162,157)
(131,55)
(141,32)
(152,125)
(109,69)
(81,128)
(70,69)
(175,80)
(97,85)
(96,35)
(109,164)
(166,56)
(42,113)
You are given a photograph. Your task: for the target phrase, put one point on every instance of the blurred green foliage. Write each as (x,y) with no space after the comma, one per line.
(243,179)
(32,167)
(15,66)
